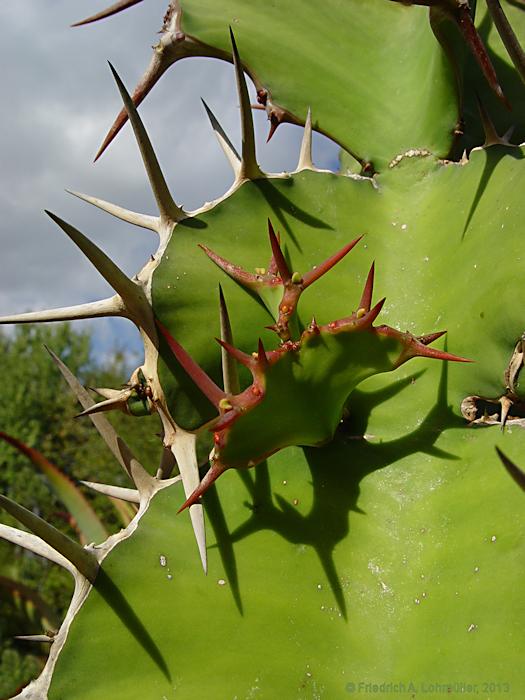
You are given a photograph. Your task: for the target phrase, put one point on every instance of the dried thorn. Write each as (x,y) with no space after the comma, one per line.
(318,271)
(211,475)
(117,446)
(184,451)
(224,142)
(249,166)
(167,207)
(95,309)
(128,290)
(278,257)
(38,638)
(366,297)
(73,552)
(305,155)
(143,220)
(471,36)
(506,405)
(108,12)
(113,404)
(230,375)
(515,472)
(34,544)
(508,36)
(208,387)
(124,494)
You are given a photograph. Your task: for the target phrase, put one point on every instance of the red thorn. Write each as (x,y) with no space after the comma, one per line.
(211,475)
(208,387)
(366,298)
(327,265)
(234,271)
(477,47)
(113,10)
(144,87)
(239,355)
(274,123)
(420,350)
(261,355)
(430,337)
(313,327)
(374,312)
(278,257)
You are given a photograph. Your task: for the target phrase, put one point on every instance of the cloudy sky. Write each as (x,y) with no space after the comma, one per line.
(58,100)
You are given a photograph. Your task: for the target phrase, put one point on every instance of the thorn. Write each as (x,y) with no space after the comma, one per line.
(474,42)
(113,404)
(305,154)
(249,167)
(374,312)
(224,142)
(129,495)
(318,271)
(39,638)
(515,472)
(262,360)
(36,545)
(125,457)
(73,552)
(130,217)
(112,10)
(430,337)
(230,374)
(184,451)
(131,293)
(167,207)
(366,298)
(95,309)
(211,475)
(239,355)
(234,271)
(278,257)
(208,387)
(274,123)
(506,405)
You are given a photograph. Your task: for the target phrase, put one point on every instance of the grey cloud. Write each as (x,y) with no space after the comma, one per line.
(58,101)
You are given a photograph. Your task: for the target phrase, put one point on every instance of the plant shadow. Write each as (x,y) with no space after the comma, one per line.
(336,471)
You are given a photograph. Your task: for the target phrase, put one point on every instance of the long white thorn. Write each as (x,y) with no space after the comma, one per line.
(186,455)
(131,293)
(183,446)
(230,372)
(224,142)
(39,638)
(114,404)
(36,545)
(131,217)
(111,10)
(167,207)
(85,562)
(140,477)
(249,167)
(114,306)
(305,155)
(129,495)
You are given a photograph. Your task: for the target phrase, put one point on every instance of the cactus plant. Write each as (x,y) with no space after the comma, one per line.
(364,512)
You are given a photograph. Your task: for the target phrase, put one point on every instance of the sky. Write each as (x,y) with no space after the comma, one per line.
(58,101)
